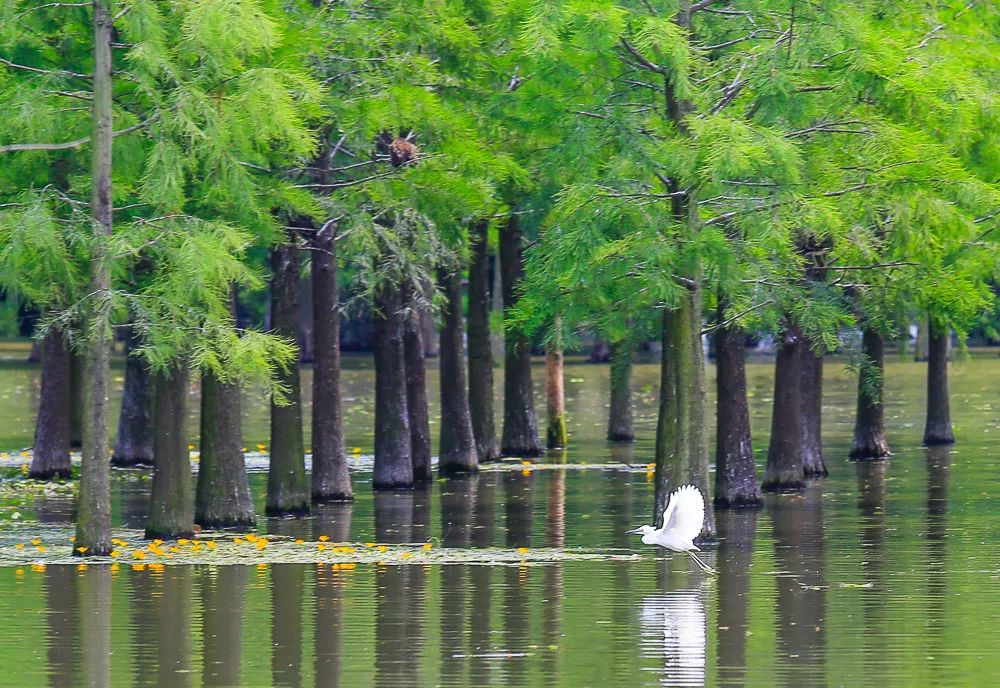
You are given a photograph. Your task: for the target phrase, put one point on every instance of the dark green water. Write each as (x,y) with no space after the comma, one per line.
(884,574)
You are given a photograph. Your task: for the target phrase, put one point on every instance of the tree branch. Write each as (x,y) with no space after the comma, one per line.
(36,70)
(67,145)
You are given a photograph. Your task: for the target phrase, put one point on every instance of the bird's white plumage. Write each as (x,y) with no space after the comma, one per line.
(685,514)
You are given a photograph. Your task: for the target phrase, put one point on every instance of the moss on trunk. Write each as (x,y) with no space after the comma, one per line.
(620,427)
(556,434)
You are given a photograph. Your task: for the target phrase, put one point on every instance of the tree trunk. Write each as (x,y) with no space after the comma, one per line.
(813,464)
(458,445)
(869,424)
(331,479)
(51,453)
(306,337)
(393,462)
(920,346)
(681,442)
(735,471)
(428,328)
(620,412)
(287,489)
(520,427)
(600,352)
(134,442)
(937,429)
(416,389)
(784,469)
(77,397)
(93,522)
(171,502)
(480,347)
(555,391)
(222,498)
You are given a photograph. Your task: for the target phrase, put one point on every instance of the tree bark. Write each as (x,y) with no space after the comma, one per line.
(937,429)
(556,434)
(134,442)
(620,427)
(428,328)
(287,490)
(681,442)
(480,347)
(171,502)
(222,498)
(331,479)
(51,452)
(735,471)
(813,464)
(393,458)
(458,445)
(416,389)
(93,523)
(784,469)
(869,424)
(520,427)
(77,397)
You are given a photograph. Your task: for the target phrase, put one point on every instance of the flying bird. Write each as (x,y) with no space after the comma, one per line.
(682,521)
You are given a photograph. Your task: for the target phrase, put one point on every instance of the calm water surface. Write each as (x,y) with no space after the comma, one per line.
(884,574)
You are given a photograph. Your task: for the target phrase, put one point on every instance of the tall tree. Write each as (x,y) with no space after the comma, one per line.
(480,346)
(458,445)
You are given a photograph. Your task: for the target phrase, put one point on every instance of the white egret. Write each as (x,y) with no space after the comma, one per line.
(682,521)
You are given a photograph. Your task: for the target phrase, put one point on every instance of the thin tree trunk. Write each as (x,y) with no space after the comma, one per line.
(784,469)
(428,328)
(171,502)
(869,424)
(681,442)
(813,464)
(77,397)
(331,479)
(393,462)
(416,389)
(556,434)
(481,348)
(458,445)
(306,338)
(620,427)
(287,489)
(921,344)
(520,427)
(93,522)
(134,442)
(222,498)
(51,452)
(937,429)
(735,471)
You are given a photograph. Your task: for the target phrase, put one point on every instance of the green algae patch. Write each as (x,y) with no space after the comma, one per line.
(52,546)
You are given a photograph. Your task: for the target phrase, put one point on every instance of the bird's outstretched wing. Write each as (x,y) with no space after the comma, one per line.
(685,512)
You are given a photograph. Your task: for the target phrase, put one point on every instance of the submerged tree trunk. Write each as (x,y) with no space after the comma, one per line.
(869,424)
(171,502)
(784,469)
(937,429)
(393,463)
(620,412)
(51,453)
(555,391)
(520,427)
(480,347)
(222,498)
(681,442)
(813,464)
(735,471)
(134,442)
(458,445)
(93,521)
(331,480)
(287,490)
(416,389)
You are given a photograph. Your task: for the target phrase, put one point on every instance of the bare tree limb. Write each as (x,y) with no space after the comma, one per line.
(66,145)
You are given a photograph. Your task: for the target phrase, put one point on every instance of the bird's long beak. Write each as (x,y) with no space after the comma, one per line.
(634,531)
